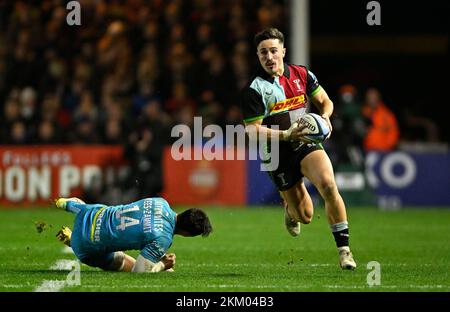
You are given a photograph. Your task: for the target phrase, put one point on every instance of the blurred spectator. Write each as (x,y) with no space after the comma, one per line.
(270,14)
(84,131)
(382,132)
(113,132)
(179,98)
(48,133)
(144,154)
(115,57)
(240,64)
(28,104)
(350,127)
(54,77)
(3,68)
(144,150)
(127,51)
(18,134)
(146,94)
(233,116)
(86,109)
(11,114)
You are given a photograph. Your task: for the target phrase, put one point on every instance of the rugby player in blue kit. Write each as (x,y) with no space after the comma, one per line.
(102,233)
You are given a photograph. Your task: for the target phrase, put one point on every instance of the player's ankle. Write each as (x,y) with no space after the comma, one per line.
(344,248)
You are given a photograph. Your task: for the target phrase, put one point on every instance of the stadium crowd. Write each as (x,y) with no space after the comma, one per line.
(135,67)
(132,66)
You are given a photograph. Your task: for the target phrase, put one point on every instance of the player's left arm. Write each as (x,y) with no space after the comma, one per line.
(325,106)
(319,97)
(153,257)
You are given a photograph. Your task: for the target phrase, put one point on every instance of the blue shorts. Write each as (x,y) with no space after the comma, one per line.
(84,249)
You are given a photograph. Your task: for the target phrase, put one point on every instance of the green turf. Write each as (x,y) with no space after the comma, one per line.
(249,250)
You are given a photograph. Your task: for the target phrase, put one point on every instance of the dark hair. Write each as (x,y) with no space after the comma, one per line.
(194,221)
(269,33)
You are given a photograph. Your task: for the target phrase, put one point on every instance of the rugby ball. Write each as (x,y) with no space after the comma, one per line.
(316,128)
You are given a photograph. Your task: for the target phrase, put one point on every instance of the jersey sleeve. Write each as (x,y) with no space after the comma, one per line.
(154,250)
(252,105)
(312,84)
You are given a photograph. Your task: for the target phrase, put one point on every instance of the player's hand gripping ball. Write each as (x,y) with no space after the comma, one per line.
(316,129)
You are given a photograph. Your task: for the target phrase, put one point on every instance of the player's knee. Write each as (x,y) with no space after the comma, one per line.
(328,188)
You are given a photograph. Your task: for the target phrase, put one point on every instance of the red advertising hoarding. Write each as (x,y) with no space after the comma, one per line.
(37,174)
(203,182)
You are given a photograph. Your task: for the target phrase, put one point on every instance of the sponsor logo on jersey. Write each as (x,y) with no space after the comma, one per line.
(98,224)
(287,105)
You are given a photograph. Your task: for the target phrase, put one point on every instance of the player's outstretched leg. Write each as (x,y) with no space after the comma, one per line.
(318,169)
(72,204)
(64,235)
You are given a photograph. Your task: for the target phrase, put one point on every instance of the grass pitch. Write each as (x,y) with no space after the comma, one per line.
(249,250)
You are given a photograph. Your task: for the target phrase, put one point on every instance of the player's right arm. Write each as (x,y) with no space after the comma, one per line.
(255,128)
(145,265)
(253,110)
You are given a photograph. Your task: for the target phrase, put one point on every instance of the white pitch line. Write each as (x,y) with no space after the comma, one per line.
(303,263)
(260,264)
(267,286)
(50,286)
(53,286)
(14,285)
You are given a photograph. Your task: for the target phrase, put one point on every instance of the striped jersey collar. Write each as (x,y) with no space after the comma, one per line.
(263,74)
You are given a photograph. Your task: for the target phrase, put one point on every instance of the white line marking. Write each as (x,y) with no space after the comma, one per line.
(165,286)
(50,286)
(15,285)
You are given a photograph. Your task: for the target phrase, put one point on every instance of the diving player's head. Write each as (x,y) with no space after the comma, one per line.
(193,222)
(271,51)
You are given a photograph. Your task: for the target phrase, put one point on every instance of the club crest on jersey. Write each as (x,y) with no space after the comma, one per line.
(287,105)
(297,83)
